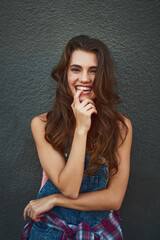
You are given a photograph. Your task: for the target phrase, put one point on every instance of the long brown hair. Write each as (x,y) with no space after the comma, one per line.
(104,133)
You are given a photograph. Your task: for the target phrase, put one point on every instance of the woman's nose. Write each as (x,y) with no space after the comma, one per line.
(84,77)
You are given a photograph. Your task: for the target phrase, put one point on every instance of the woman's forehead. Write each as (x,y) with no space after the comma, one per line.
(81,57)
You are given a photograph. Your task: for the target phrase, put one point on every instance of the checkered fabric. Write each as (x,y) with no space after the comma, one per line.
(107,229)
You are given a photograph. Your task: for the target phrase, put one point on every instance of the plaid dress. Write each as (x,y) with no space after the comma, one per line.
(64,223)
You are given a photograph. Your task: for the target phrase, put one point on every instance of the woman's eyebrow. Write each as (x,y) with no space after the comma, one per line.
(75,65)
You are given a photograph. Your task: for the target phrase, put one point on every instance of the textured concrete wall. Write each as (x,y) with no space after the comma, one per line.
(33,35)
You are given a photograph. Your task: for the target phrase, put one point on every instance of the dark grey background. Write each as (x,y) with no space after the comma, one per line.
(33,35)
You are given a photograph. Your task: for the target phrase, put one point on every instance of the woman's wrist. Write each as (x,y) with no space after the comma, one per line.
(55,199)
(81,131)
(59,200)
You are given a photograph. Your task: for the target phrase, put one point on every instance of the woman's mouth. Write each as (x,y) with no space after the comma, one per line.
(86,90)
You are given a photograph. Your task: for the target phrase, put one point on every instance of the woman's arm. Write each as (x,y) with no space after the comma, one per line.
(111,197)
(67,176)
(106,199)
(54,164)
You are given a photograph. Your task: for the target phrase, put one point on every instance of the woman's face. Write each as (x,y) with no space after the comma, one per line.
(81,73)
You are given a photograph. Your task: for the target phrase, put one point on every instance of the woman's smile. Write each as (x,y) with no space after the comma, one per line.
(86,89)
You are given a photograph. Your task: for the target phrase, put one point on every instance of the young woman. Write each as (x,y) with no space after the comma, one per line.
(84,147)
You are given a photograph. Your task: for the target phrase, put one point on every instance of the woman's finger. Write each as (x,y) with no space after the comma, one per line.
(76,99)
(72,106)
(40,215)
(25,212)
(76,96)
(87,101)
(89,106)
(91,111)
(37,219)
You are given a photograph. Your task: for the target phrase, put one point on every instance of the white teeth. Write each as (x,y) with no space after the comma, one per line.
(84,88)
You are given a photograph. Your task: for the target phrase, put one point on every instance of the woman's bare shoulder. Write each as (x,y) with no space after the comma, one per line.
(127,121)
(38,123)
(126,133)
(40,118)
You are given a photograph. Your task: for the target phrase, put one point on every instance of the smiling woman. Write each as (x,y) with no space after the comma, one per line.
(84,147)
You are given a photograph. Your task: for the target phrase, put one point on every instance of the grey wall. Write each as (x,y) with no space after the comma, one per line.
(33,35)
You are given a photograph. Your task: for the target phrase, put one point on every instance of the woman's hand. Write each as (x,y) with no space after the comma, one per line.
(83,111)
(36,208)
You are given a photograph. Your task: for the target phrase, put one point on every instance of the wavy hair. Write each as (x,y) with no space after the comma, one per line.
(102,138)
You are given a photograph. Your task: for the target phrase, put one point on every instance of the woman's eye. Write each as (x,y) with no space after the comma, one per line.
(75,70)
(93,71)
